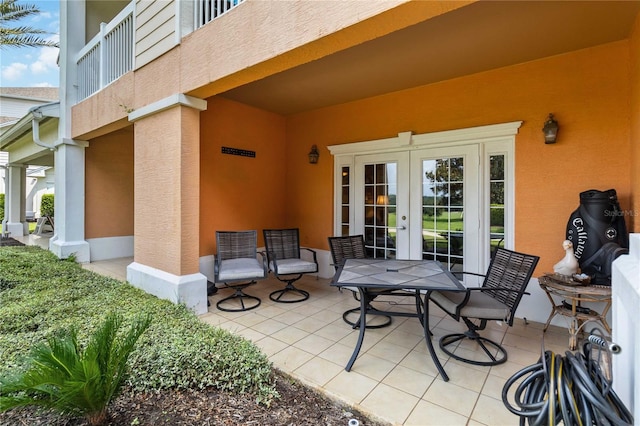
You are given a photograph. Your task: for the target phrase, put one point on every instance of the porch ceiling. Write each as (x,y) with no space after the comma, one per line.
(471,39)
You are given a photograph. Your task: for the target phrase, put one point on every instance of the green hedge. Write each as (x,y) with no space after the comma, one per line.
(42,295)
(497,215)
(46,205)
(1,207)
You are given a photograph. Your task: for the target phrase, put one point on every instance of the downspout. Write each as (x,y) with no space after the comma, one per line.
(35,125)
(4,220)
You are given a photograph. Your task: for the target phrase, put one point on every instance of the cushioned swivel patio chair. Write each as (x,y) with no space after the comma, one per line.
(353,247)
(497,299)
(284,260)
(237,267)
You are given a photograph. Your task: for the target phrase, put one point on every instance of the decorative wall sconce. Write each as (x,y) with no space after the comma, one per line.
(550,130)
(314,155)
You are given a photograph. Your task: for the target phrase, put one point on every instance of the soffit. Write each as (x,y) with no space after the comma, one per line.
(475,38)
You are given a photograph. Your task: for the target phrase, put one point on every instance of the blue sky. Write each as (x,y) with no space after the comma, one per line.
(34,67)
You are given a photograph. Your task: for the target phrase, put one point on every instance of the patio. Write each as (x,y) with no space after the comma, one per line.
(393,378)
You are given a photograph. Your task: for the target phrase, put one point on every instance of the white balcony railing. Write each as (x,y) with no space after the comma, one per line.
(206,10)
(108,55)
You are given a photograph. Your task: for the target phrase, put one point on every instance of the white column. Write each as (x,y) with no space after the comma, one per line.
(14,208)
(68,239)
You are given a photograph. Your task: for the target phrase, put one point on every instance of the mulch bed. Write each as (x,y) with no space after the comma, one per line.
(9,242)
(298,405)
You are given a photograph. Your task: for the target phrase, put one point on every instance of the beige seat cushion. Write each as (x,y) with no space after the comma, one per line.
(294,266)
(480,305)
(239,269)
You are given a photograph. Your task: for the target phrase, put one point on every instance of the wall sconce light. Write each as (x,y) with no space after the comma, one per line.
(550,130)
(314,155)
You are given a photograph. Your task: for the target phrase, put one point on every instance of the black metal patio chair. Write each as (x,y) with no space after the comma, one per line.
(353,247)
(284,260)
(497,299)
(237,267)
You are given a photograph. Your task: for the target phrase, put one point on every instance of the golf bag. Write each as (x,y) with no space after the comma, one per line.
(599,234)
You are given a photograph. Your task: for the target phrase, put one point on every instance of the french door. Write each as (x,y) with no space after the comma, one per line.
(447,195)
(420,204)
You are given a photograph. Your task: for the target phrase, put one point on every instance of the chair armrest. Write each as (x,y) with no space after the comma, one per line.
(263,255)
(216,267)
(271,256)
(496,288)
(315,259)
(468,273)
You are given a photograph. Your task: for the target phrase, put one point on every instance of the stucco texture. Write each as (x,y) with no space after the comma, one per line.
(109,183)
(239,192)
(588,91)
(167,185)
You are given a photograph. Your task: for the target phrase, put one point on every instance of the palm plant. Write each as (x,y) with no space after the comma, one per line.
(22,36)
(64,377)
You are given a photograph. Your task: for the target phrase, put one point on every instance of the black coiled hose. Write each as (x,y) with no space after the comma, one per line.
(569,389)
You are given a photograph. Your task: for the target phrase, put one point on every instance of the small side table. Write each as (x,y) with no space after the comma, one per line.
(576,293)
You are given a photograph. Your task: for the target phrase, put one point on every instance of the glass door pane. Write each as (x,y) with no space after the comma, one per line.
(496,201)
(380,189)
(444,206)
(443,211)
(381,203)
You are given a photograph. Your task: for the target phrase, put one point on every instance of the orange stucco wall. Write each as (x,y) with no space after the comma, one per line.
(241,193)
(167,190)
(109,185)
(588,91)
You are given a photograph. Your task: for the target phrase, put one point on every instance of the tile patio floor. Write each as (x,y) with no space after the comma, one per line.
(393,378)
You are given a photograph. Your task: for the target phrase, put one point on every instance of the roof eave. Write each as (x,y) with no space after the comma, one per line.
(24,125)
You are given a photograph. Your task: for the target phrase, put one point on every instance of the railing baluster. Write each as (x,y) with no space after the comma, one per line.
(108,56)
(207,10)
(111,54)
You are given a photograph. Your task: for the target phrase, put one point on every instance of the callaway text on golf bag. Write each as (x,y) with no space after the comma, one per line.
(599,234)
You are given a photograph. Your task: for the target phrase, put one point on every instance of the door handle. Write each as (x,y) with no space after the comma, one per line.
(401,228)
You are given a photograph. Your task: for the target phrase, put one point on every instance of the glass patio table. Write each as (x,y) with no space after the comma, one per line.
(415,277)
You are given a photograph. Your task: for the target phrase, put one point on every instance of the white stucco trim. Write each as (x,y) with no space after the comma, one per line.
(206,266)
(190,290)
(63,249)
(110,247)
(166,103)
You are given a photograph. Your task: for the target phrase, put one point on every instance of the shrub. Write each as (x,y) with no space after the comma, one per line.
(46,205)
(63,376)
(1,207)
(496,215)
(177,351)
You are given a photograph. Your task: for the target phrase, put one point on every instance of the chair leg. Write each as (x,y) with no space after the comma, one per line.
(277,296)
(236,302)
(484,343)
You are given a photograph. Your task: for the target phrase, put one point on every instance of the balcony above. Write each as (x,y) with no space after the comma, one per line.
(138,34)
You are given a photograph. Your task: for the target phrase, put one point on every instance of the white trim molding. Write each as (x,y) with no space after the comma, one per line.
(407,140)
(110,247)
(190,290)
(167,103)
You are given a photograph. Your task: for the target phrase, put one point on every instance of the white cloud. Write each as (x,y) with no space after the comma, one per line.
(42,85)
(14,71)
(47,61)
(42,16)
